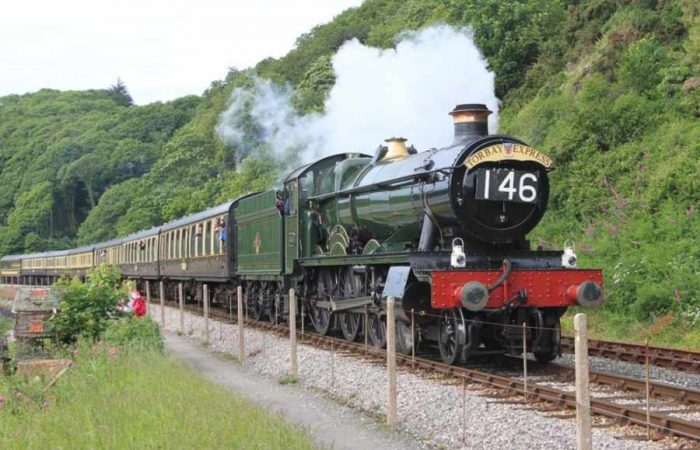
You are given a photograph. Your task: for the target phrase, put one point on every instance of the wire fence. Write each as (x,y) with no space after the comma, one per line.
(329,372)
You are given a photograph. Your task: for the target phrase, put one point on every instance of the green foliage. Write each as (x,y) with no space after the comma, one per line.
(87,308)
(60,151)
(641,64)
(135,333)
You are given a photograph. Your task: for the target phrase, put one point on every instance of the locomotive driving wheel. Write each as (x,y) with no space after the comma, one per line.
(321,317)
(254,301)
(451,335)
(350,287)
(377,330)
(270,301)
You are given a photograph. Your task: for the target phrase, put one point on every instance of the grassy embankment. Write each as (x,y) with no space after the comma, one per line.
(135,400)
(664,332)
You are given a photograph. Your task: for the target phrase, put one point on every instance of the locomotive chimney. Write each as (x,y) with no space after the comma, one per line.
(471,121)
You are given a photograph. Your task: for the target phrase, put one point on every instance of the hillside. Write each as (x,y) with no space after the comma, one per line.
(610,89)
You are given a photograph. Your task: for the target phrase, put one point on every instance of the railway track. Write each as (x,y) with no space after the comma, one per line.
(682,360)
(677,400)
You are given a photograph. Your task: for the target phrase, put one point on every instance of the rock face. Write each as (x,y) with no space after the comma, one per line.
(48,368)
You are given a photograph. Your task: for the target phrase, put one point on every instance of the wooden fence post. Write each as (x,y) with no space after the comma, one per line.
(293,370)
(241,325)
(161,290)
(390,362)
(583,400)
(205,291)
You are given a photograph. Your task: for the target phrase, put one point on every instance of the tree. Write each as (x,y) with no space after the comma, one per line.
(119,93)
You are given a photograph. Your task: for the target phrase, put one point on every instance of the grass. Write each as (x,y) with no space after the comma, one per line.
(136,400)
(286,379)
(665,331)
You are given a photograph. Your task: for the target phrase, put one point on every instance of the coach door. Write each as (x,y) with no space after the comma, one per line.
(291,226)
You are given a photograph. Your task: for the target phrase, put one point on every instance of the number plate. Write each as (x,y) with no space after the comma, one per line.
(505,185)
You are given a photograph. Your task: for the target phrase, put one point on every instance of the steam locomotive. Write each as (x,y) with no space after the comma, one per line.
(443,232)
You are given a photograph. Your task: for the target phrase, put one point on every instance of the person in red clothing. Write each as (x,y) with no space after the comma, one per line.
(139,304)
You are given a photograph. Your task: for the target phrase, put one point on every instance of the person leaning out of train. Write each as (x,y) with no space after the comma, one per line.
(221,229)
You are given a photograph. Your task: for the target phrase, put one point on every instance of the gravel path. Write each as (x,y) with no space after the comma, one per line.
(329,425)
(429,410)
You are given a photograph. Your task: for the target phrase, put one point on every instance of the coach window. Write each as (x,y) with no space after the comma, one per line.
(183,243)
(176,235)
(180,237)
(206,241)
(217,236)
(199,239)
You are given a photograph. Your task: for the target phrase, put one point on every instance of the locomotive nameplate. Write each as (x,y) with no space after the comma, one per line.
(508,151)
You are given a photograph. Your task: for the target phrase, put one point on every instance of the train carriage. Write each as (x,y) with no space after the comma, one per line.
(77,262)
(138,254)
(44,268)
(108,252)
(10,269)
(194,247)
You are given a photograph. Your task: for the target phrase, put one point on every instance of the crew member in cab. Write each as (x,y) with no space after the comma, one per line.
(282,202)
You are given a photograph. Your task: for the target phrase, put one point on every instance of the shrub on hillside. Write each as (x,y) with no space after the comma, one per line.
(87,307)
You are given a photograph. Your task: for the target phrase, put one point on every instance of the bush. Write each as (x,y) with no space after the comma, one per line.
(87,307)
(140,332)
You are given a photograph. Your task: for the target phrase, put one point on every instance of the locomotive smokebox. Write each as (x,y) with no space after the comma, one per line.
(471,121)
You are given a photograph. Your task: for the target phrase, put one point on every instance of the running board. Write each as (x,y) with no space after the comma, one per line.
(342,305)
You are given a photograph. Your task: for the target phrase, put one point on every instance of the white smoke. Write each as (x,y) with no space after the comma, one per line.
(406,92)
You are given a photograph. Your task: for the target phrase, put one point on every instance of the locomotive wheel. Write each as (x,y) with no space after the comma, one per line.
(404,338)
(554,337)
(270,300)
(377,330)
(451,329)
(350,325)
(350,287)
(321,317)
(254,302)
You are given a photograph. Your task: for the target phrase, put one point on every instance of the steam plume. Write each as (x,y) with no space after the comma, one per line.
(406,91)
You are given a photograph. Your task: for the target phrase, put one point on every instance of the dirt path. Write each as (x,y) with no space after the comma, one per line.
(330,425)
